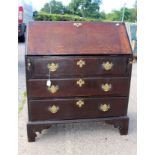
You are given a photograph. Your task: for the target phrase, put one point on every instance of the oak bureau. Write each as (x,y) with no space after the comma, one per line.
(77,72)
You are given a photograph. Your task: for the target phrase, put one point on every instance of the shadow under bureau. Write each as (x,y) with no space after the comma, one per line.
(77,72)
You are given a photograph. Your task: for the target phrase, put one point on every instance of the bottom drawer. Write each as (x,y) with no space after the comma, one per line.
(77,108)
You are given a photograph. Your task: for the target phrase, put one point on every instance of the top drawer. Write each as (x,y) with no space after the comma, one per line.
(65,66)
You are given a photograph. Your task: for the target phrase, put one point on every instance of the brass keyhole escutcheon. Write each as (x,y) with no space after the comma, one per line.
(104,107)
(77,24)
(81,63)
(53,89)
(53,109)
(106,87)
(107,65)
(52,67)
(80,103)
(80,82)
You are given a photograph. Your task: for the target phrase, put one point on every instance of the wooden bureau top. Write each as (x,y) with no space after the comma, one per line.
(77,38)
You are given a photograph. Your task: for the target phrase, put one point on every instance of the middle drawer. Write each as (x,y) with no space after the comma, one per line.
(115,86)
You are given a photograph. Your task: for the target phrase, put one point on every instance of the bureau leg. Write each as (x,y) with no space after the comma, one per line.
(121,123)
(31,133)
(123,127)
(33,128)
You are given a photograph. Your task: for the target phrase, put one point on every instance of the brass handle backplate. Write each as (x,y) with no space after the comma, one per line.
(80,103)
(53,89)
(81,63)
(80,82)
(104,107)
(77,24)
(53,109)
(52,67)
(106,87)
(107,65)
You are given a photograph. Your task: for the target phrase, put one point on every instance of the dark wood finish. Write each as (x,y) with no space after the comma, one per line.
(69,110)
(65,44)
(69,87)
(32,129)
(68,66)
(52,38)
(121,123)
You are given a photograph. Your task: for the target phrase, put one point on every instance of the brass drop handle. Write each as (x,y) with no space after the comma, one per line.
(106,87)
(52,67)
(53,89)
(107,65)
(104,107)
(53,109)
(81,63)
(80,103)
(80,82)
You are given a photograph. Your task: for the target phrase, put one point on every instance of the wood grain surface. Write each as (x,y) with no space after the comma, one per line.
(64,38)
(38,109)
(37,88)
(68,66)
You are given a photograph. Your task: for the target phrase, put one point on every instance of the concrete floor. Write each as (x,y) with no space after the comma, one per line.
(80,138)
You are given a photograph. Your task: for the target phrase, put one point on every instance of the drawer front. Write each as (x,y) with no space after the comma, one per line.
(78,87)
(41,67)
(78,108)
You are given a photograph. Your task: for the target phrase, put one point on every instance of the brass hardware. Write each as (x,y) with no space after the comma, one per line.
(53,89)
(28,65)
(80,63)
(77,24)
(132,60)
(80,103)
(53,109)
(52,67)
(107,65)
(104,107)
(117,24)
(80,82)
(106,87)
